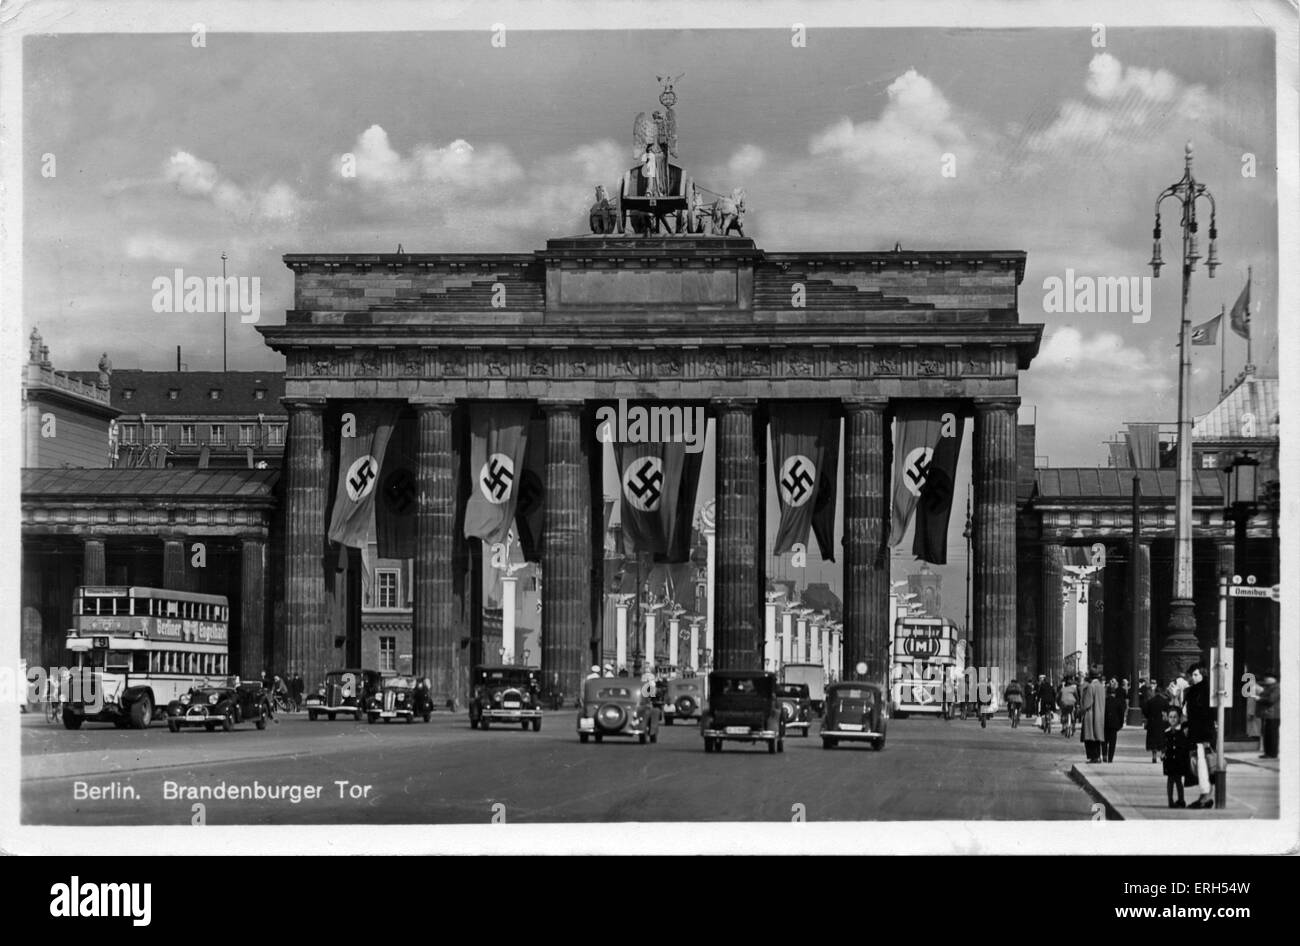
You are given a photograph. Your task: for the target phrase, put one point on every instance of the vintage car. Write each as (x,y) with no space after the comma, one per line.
(743,707)
(400,697)
(344,691)
(225,705)
(855,712)
(505,695)
(683,699)
(796,706)
(617,706)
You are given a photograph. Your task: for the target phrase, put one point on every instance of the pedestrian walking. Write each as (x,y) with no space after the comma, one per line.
(1155,711)
(1093,707)
(1175,755)
(1116,710)
(1201,729)
(1267,706)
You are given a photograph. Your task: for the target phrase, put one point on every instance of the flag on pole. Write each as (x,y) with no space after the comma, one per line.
(498,442)
(1240,317)
(805,446)
(364,433)
(1144,446)
(1207,333)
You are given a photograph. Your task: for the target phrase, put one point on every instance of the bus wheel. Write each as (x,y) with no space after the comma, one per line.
(142,712)
(71,720)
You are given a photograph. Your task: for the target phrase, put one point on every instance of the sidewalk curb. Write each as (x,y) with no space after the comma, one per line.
(1100,791)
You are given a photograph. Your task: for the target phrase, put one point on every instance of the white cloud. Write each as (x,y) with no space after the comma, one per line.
(194,177)
(156,246)
(746,162)
(458,165)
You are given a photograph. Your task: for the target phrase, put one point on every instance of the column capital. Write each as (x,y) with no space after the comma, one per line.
(561,404)
(440,405)
(246,537)
(740,404)
(984,405)
(303,403)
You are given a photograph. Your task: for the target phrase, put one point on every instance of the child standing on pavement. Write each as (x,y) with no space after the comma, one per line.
(1177,756)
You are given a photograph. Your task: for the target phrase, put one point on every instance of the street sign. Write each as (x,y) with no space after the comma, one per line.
(1250,591)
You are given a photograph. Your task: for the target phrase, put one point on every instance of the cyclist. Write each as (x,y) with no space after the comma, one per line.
(1046,701)
(1067,700)
(1014,696)
(280,695)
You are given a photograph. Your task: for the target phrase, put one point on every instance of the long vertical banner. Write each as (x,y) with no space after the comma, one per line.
(395,510)
(498,442)
(364,432)
(928,443)
(805,443)
(658,483)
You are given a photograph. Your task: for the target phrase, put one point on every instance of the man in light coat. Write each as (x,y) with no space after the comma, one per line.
(1094,717)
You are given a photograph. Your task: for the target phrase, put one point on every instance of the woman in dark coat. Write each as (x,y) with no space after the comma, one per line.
(1153,711)
(1115,711)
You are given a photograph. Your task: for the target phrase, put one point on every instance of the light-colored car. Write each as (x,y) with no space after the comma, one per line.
(683,699)
(617,706)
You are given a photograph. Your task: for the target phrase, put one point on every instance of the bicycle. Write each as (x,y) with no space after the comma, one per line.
(1014,712)
(1046,724)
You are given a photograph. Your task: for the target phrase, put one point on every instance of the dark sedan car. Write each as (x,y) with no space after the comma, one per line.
(506,695)
(225,706)
(400,697)
(344,691)
(855,712)
(742,708)
(796,707)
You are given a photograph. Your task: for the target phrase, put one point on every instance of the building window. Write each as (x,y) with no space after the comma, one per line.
(187,435)
(173,393)
(259,394)
(129,433)
(218,434)
(275,435)
(247,433)
(159,432)
(387,653)
(214,394)
(386,588)
(128,393)
(1209,461)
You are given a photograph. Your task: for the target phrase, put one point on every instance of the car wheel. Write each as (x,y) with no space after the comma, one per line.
(537,724)
(771,747)
(311,715)
(827,743)
(142,712)
(708,744)
(228,723)
(374,718)
(484,724)
(582,738)
(427,714)
(173,725)
(717,744)
(780,745)
(387,720)
(806,732)
(668,720)
(523,724)
(877,744)
(642,739)
(654,737)
(357,716)
(330,716)
(598,737)
(473,723)
(261,722)
(411,718)
(72,720)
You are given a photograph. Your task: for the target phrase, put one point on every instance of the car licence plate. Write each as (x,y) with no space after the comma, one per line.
(737,730)
(851,727)
(586,723)
(511,704)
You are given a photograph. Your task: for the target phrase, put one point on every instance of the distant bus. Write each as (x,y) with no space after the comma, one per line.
(145,648)
(923,652)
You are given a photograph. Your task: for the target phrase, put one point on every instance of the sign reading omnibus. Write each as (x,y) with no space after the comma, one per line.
(143,648)
(923,653)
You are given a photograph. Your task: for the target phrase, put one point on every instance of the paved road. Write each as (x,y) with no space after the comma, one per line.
(444,772)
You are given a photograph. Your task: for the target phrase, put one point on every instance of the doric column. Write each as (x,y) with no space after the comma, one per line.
(994,473)
(174,576)
(253,654)
(738,632)
(566,546)
(92,559)
(309,646)
(1052,651)
(435,632)
(866,560)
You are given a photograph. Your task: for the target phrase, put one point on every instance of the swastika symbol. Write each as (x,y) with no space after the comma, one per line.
(643,483)
(798,477)
(361,478)
(917,468)
(496,477)
(399,491)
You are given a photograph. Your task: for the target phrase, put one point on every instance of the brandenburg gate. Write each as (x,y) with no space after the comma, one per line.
(686,317)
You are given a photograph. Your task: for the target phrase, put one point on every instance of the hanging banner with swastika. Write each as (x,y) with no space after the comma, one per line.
(395,505)
(919,427)
(364,432)
(531,493)
(934,505)
(657,486)
(805,453)
(498,441)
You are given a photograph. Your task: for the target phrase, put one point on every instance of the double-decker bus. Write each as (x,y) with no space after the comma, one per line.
(923,652)
(143,648)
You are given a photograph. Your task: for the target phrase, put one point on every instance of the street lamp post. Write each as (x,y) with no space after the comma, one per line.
(1180,647)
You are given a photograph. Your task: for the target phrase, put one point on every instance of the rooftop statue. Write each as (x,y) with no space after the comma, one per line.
(654,193)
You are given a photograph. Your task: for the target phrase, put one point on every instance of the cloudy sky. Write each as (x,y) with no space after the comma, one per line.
(169,154)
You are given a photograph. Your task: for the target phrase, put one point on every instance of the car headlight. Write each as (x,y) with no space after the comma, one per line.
(212,698)
(496,696)
(401,697)
(185,699)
